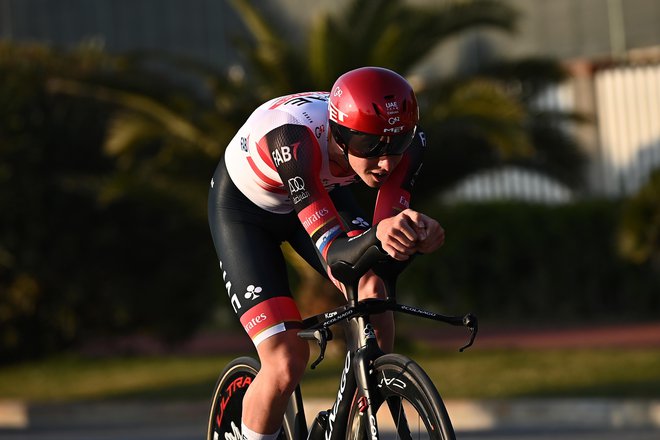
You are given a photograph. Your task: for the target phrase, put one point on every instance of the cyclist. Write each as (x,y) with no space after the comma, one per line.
(284,177)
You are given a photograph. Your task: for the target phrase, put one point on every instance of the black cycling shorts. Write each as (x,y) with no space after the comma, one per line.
(247,240)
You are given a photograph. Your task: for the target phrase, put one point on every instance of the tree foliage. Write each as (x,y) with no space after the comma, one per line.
(639,230)
(474,120)
(104,160)
(79,258)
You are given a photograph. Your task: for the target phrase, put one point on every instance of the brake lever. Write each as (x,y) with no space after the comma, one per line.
(470,321)
(321,336)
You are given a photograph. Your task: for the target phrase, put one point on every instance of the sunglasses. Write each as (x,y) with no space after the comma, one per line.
(366,145)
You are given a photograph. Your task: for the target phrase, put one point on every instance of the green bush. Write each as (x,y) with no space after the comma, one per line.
(516,262)
(639,233)
(73,263)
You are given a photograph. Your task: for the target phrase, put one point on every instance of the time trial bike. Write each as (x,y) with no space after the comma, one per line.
(376,390)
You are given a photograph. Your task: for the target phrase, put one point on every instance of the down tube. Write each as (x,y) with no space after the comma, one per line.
(364,349)
(340,411)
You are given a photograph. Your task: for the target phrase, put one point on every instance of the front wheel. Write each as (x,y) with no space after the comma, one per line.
(413,408)
(227,404)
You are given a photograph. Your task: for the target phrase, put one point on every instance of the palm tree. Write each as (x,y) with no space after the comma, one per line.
(476,119)
(387,33)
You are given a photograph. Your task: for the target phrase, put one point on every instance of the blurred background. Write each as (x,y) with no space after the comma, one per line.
(543,120)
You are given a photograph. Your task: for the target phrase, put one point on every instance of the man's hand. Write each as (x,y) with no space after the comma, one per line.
(409,232)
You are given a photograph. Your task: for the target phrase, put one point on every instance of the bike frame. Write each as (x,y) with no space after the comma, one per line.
(357,382)
(362,351)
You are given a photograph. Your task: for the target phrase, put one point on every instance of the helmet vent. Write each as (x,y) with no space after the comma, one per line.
(373,104)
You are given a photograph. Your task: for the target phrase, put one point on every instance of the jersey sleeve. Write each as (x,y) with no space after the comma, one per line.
(394,196)
(297,158)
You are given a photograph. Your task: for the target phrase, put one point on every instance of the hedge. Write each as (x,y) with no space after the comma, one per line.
(525,262)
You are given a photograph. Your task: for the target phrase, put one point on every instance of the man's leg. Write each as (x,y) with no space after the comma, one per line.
(247,240)
(373,287)
(283,358)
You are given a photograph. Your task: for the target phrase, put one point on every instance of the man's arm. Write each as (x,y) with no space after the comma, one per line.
(395,194)
(297,159)
(401,230)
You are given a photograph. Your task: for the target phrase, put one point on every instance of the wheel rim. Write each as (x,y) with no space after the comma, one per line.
(228,406)
(402,419)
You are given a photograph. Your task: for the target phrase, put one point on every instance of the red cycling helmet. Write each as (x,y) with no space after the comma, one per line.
(373,112)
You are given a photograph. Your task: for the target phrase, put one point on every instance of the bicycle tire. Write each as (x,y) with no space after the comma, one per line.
(227,403)
(403,384)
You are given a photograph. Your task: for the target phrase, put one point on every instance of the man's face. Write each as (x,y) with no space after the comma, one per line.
(374,171)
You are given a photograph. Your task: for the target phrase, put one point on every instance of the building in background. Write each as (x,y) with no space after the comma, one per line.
(611,46)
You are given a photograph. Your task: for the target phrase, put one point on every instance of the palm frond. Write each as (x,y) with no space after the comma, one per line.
(271,56)
(176,124)
(483,107)
(397,35)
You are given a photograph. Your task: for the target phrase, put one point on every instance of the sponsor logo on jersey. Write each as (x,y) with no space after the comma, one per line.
(296,184)
(300,197)
(300,99)
(233,298)
(308,117)
(253,292)
(297,189)
(281,155)
(359,221)
(422,136)
(315,219)
(267,318)
(252,323)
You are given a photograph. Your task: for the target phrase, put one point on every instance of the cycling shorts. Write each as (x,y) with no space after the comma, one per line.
(247,240)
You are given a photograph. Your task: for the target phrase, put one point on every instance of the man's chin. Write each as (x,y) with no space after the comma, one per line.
(371,182)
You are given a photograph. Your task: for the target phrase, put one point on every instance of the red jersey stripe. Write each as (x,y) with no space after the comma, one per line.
(265,179)
(269,313)
(264,154)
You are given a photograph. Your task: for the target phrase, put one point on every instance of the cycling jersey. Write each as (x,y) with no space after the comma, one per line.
(275,184)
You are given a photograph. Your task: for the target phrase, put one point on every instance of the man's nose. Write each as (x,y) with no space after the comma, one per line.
(386,163)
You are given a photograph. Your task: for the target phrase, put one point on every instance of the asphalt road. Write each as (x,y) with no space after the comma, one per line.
(535,420)
(129,421)
(171,431)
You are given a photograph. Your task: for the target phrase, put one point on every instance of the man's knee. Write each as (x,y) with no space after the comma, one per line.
(284,358)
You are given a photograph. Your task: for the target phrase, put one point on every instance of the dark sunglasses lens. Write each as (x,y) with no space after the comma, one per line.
(399,144)
(370,145)
(358,143)
(391,145)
